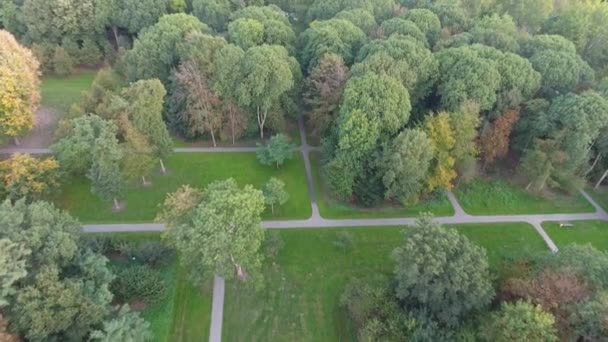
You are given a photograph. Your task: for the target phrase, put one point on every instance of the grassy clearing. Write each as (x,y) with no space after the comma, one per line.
(334,209)
(196,169)
(308,276)
(582,232)
(495,197)
(61,92)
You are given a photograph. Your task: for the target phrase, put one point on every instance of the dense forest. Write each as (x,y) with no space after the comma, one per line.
(407,98)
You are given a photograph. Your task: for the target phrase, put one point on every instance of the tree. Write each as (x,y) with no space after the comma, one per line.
(427,21)
(129,15)
(265,76)
(154,53)
(442,273)
(361,18)
(23,176)
(590,318)
(560,71)
(19,87)
(439,131)
(126,326)
(402,27)
(145,113)
(214,13)
(529,14)
(246,33)
(464,75)
(202,112)
(227,223)
(520,321)
(73,152)
(226,84)
(494,140)
(274,193)
(337,36)
(105,174)
(405,164)
(496,31)
(106,84)
(464,123)
(323,90)
(270,21)
(137,154)
(63,64)
(277,151)
(13,257)
(66,292)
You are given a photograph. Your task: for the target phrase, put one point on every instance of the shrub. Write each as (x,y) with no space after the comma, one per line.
(151,253)
(138,282)
(63,64)
(344,240)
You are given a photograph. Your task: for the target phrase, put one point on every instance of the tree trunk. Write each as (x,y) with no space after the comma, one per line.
(143,180)
(116,204)
(115,32)
(528,186)
(261,121)
(163,170)
(17,142)
(240,272)
(599,182)
(213,138)
(272,207)
(232,119)
(597,159)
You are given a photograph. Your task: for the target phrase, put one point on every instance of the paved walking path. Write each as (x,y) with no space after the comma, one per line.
(217,310)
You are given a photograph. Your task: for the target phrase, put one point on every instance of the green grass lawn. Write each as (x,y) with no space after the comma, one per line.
(301,302)
(495,197)
(61,92)
(582,232)
(196,169)
(335,209)
(600,195)
(192,310)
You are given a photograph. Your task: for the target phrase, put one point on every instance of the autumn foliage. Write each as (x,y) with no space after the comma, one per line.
(19,87)
(23,176)
(494,140)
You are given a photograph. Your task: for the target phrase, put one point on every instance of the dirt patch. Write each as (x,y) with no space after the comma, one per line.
(41,135)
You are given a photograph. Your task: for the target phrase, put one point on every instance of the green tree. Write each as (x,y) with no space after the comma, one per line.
(214,13)
(442,273)
(561,71)
(105,174)
(404,28)
(246,33)
(66,292)
(145,113)
(275,27)
(496,31)
(265,76)
(274,193)
(337,36)
(137,154)
(427,21)
(590,317)
(130,15)
(227,223)
(529,14)
(13,257)
(361,18)
(154,52)
(405,164)
(126,326)
(63,64)
(74,150)
(464,123)
(520,321)
(276,151)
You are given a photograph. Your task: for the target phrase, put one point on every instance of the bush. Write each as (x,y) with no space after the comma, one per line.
(138,282)
(151,253)
(344,240)
(102,244)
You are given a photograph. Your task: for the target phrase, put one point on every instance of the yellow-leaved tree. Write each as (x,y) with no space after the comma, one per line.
(438,129)
(23,176)
(19,87)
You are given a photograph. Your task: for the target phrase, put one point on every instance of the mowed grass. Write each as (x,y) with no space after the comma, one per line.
(581,232)
(195,169)
(61,92)
(332,208)
(192,310)
(496,197)
(300,301)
